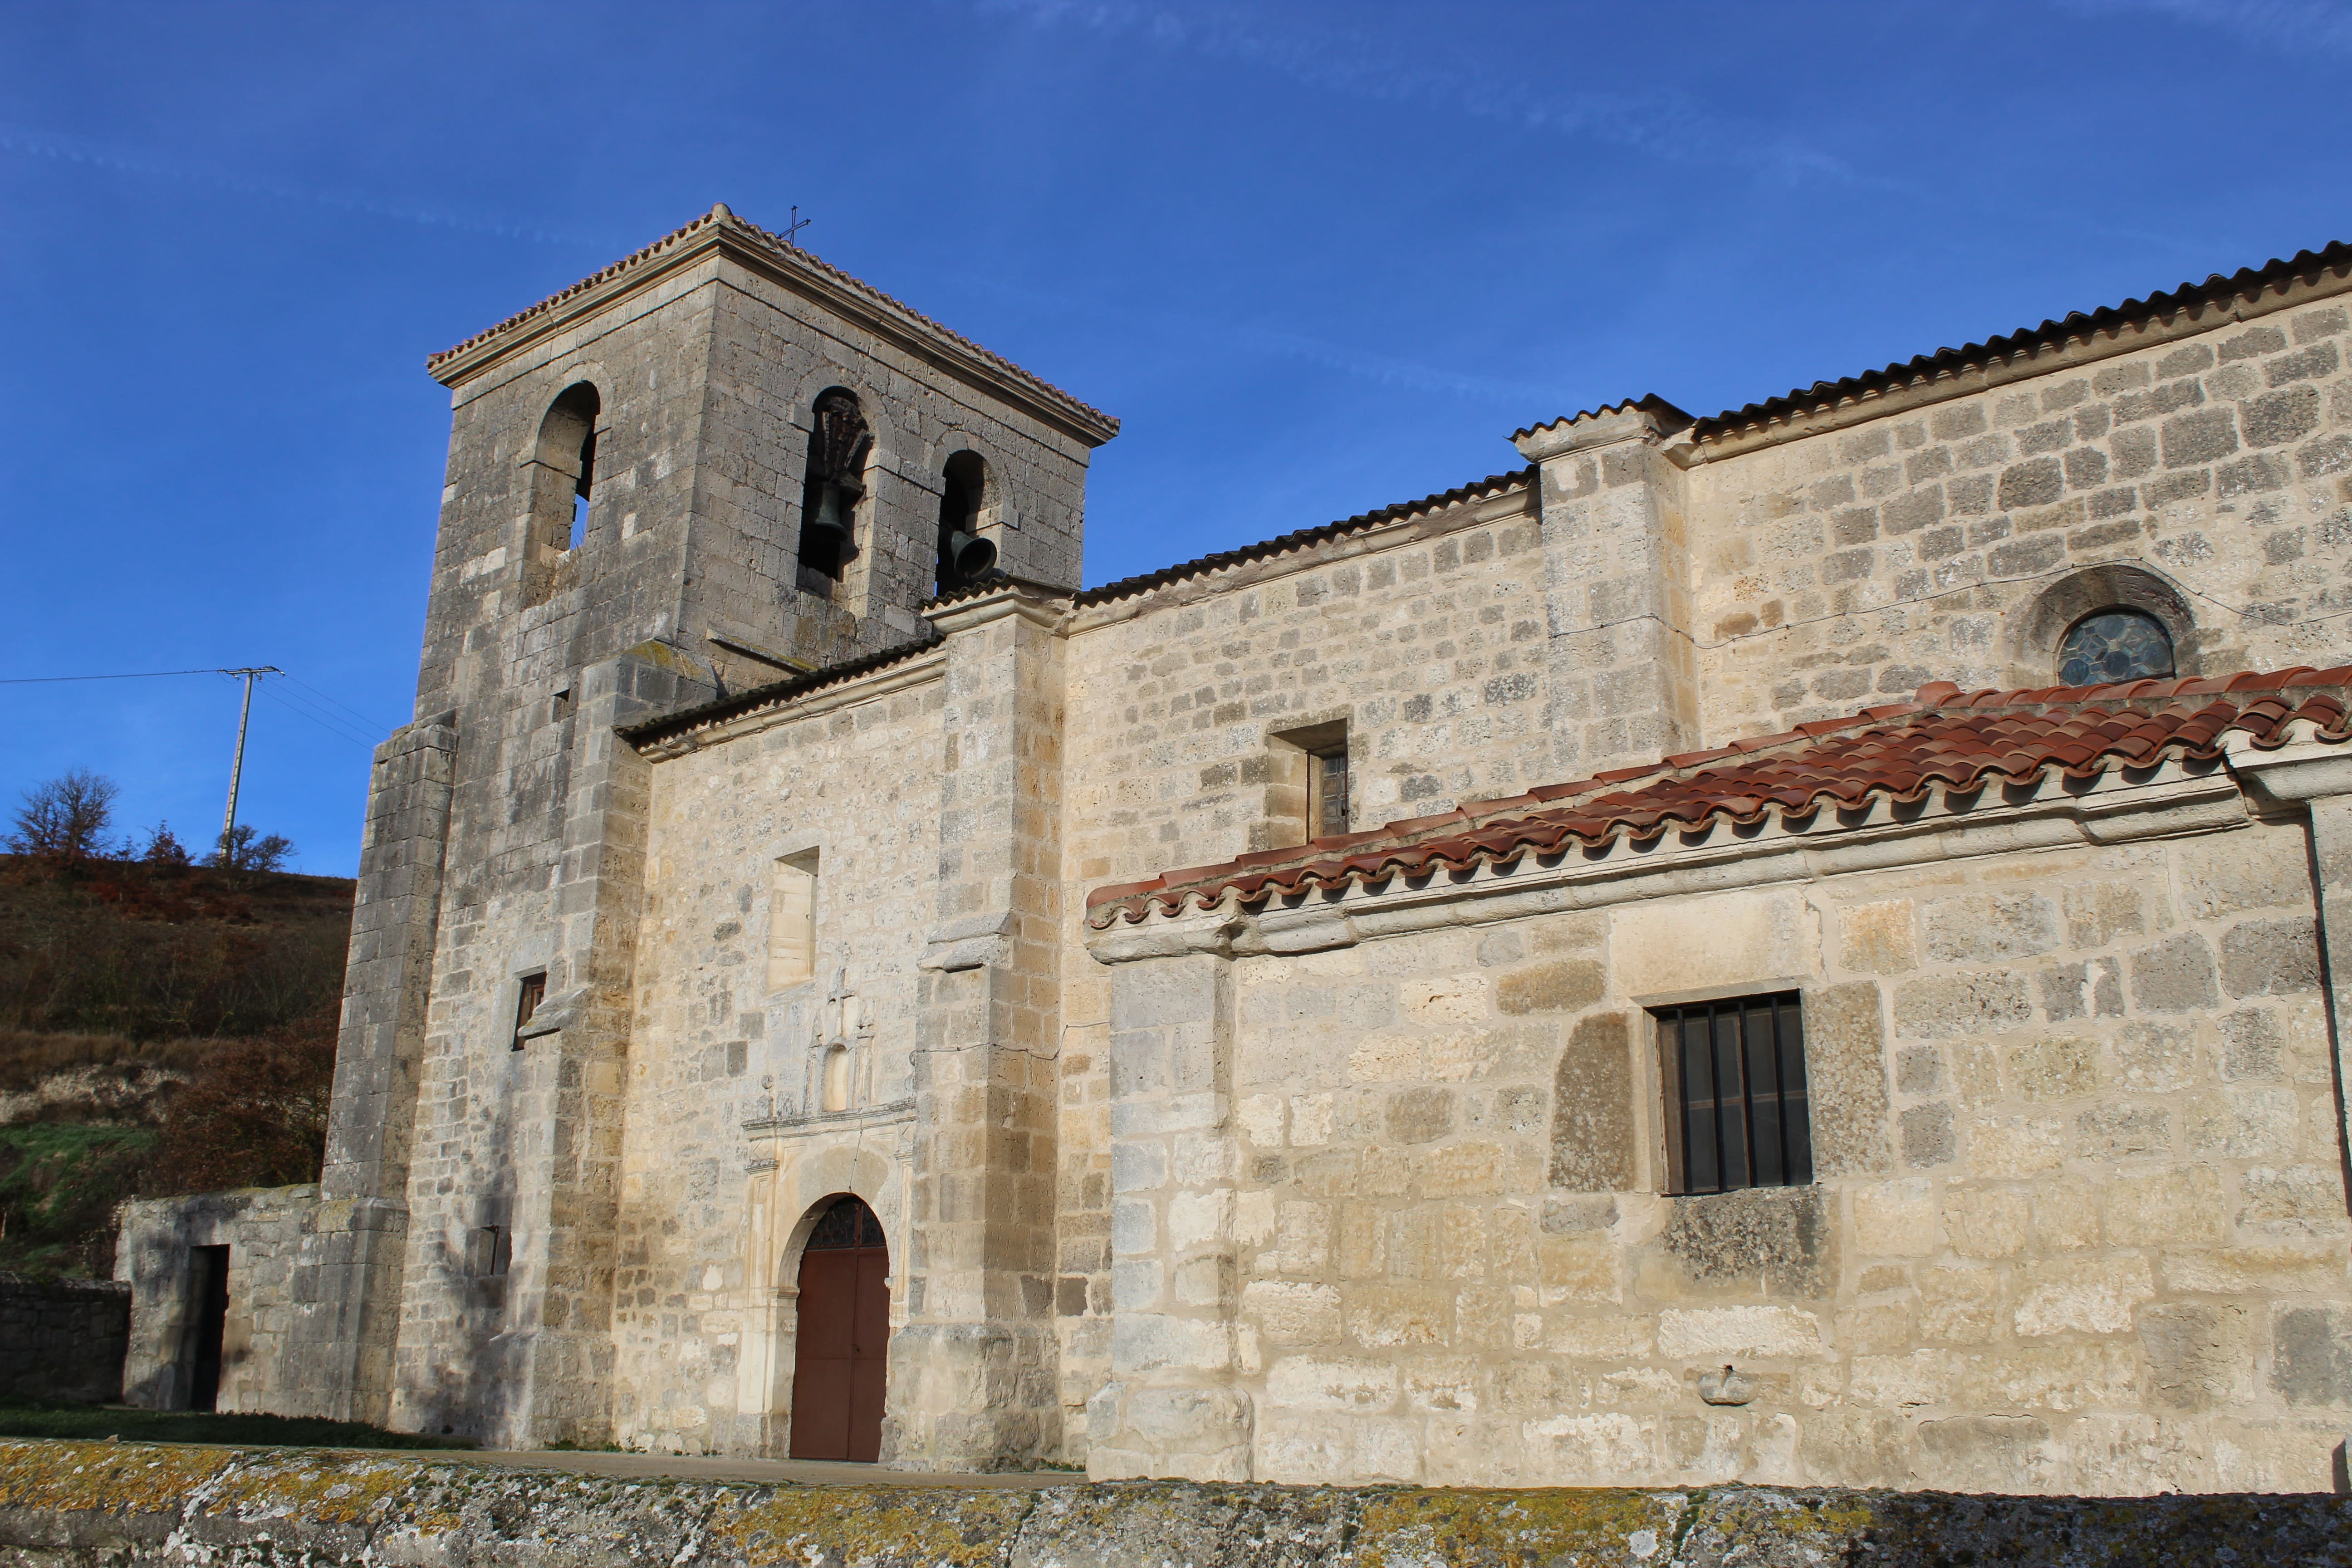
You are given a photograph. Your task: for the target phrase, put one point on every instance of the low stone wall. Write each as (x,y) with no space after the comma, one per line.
(127,1503)
(263,1229)
(62,1338)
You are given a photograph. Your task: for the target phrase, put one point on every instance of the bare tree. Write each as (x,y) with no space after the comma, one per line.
(239,850)
(65,819)
(164,849)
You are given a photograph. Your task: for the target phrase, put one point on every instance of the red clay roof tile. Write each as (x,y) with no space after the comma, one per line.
(1964,741)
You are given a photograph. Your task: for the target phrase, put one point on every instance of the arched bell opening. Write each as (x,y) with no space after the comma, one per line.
(841,1339)
(965,555)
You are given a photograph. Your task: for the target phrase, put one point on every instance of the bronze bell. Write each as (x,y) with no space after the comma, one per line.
(969,554)
(832,520)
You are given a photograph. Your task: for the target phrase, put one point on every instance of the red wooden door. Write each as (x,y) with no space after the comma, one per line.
(840,1365)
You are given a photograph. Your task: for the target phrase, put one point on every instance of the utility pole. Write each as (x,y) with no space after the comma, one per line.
(236,767)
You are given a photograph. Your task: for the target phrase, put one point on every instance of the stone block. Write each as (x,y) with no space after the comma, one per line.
(2198,1354)
(1784,1238)
(1338,1385)
(1292,1313)
(2273,1268)
(2123,1130)
(1846,1068)
(2013,1148)
(1729,1334)
(2246,1121)
(2155,1058)
(1960,1305)
(1948,1006)
(1593,1125)
(1999,1453)
(2053,1067)
(1555,985)
(2175,1204)
(2269,958)
(1986,1222)
(1894,1219)
(2078,1296)
(2311,1354)
(1985,927)
(2175,975)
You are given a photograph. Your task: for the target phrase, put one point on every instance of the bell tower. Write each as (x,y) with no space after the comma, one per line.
(715,464)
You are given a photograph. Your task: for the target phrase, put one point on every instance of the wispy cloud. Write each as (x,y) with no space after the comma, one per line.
(29,141)
(1661,121)
(2300,26)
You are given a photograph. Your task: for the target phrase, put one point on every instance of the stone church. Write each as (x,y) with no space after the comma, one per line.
(1796,945)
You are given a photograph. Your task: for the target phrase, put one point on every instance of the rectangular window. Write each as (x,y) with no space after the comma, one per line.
(1735,1108)
(528,996)
(1327,793)
(791,921)
(488,1252)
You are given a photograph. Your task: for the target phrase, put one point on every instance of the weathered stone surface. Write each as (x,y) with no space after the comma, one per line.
(132,1504)
(1593,1109)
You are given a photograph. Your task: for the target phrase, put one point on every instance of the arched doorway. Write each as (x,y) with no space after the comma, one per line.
(838,1358)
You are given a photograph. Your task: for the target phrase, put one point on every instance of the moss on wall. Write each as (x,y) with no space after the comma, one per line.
(127,1503)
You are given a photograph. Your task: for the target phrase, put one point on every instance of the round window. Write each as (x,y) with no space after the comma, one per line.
(2115,645)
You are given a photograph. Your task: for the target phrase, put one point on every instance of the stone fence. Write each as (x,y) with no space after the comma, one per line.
(128,1503)
(62,1338)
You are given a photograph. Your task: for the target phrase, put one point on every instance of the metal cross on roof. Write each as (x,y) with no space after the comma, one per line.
(792,229)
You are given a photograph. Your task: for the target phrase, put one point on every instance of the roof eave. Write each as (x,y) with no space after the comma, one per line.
(729,238)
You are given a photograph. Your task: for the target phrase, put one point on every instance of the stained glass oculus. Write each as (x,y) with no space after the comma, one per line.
(2115,645)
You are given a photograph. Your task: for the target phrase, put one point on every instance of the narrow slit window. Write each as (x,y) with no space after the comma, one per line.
(1737,1111)
(1327,793)
(791,921)
(528,996)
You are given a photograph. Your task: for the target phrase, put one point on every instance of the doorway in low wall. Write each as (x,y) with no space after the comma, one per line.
(207,1324)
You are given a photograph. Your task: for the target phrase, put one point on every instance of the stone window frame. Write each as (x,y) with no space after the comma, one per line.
(1290,812)
(2037,629)
(1661,1157)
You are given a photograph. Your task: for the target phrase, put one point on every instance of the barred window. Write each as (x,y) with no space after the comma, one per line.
(1737,1111)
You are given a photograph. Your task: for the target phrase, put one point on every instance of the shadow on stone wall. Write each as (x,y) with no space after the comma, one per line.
(63,1339)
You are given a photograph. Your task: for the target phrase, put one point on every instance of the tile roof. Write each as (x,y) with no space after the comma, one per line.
(2246,282)
(1961,740)
(1282,544)
(719,216)
(665,726)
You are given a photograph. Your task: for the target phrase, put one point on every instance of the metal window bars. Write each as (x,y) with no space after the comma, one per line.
(1736,1095)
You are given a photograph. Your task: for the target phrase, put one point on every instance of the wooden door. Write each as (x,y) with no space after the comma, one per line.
(840,1354)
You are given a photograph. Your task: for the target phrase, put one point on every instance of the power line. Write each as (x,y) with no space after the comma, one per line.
(134,675)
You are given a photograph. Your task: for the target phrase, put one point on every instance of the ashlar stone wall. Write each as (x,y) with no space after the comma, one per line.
(1394,1210)
(1836,569)
(1425,636)
(729,1143)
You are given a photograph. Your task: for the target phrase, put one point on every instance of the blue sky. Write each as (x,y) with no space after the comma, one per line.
(1318,258)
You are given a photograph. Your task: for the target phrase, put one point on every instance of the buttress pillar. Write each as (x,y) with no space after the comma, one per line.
(973,1380)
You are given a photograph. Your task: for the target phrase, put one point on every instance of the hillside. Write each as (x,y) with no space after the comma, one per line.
(162,1029)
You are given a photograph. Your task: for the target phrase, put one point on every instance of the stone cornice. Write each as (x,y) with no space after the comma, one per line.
(1037,606)
(2179,799)
(720,234)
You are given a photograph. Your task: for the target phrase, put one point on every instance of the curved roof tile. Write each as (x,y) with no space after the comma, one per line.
(1962,741)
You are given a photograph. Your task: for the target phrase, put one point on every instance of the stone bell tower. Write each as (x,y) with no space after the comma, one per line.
(715,464)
